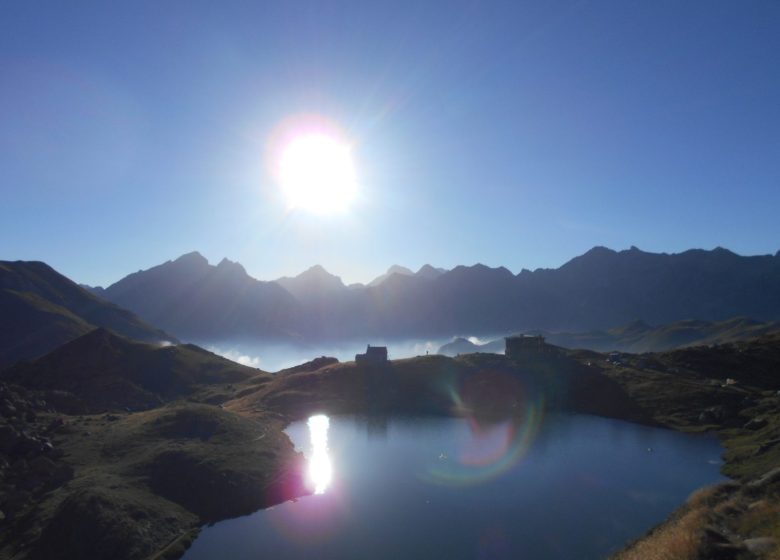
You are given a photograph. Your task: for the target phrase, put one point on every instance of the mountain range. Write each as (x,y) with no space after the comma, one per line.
(636,337)
(598,290)
(200,301)
(41,309)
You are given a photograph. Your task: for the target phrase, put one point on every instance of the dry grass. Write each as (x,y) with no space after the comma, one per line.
(678,538)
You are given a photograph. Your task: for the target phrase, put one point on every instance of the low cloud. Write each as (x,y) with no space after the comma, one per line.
(238,357)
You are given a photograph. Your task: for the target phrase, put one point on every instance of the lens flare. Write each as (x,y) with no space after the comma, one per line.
(503,414)
(320,468)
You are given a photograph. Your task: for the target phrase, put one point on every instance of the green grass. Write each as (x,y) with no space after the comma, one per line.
(146,481)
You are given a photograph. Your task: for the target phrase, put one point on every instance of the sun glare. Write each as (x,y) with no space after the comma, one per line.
(320,469)
(317,174)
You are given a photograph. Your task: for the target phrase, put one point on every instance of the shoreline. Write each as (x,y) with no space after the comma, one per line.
(174,468)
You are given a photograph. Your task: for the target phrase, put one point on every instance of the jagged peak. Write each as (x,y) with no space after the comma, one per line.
(398,269)
(394,269)
(192,257)
(600,250)
(429,272)
(484,267)
(316,270)
(228,266)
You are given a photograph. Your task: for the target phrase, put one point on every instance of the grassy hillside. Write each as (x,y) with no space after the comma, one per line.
(112,449)
(486,385)
(101,371)
(40,309)
(203,440)
(733,390)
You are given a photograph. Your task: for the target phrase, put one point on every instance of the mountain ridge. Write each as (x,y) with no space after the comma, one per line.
(103,371)
(598,290)
(41,309)
(199,300)
(636,337)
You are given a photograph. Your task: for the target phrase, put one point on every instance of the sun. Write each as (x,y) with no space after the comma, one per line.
(316,173)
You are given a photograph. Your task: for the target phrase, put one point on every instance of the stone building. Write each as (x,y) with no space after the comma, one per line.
(528,346)
(373,355)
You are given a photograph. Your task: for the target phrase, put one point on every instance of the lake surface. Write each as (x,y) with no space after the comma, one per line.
(565,487)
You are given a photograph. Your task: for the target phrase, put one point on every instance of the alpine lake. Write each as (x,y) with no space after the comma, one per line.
(560,486)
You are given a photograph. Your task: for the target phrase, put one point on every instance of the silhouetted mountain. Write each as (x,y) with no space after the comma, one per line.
(637,337)
(594,291)
(103,371)
(429,272)
(199,301)
(41,309)
(314,284)
(462,345)
(394,269)
(604,288)
(94,290)
(426,271)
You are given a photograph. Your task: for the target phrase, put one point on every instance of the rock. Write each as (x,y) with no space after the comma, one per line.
(15,500)
(712,415)
(28,446)
(715,537)
(30,483)
(43,466)
(7,409)
(760,545)
(61,474)
(9,437)
(768,477)
(707,417)
(716,546)
(20,466)
(55,425)
(766,446)
(755,424)
(56,453)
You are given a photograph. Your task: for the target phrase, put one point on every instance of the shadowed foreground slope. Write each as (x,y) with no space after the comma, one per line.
(41,309)
(140,484)
(101,371)
(119,484)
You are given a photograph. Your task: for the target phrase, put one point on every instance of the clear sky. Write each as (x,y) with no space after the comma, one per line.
(509,133)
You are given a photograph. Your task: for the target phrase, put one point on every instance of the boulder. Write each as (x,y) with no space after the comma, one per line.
(760,545)
(43,466)
(9,437)
(768,477)
(755,424)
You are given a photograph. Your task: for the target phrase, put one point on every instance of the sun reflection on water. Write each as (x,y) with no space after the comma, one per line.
(320,467)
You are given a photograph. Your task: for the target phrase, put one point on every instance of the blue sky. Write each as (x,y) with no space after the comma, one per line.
(518,133)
